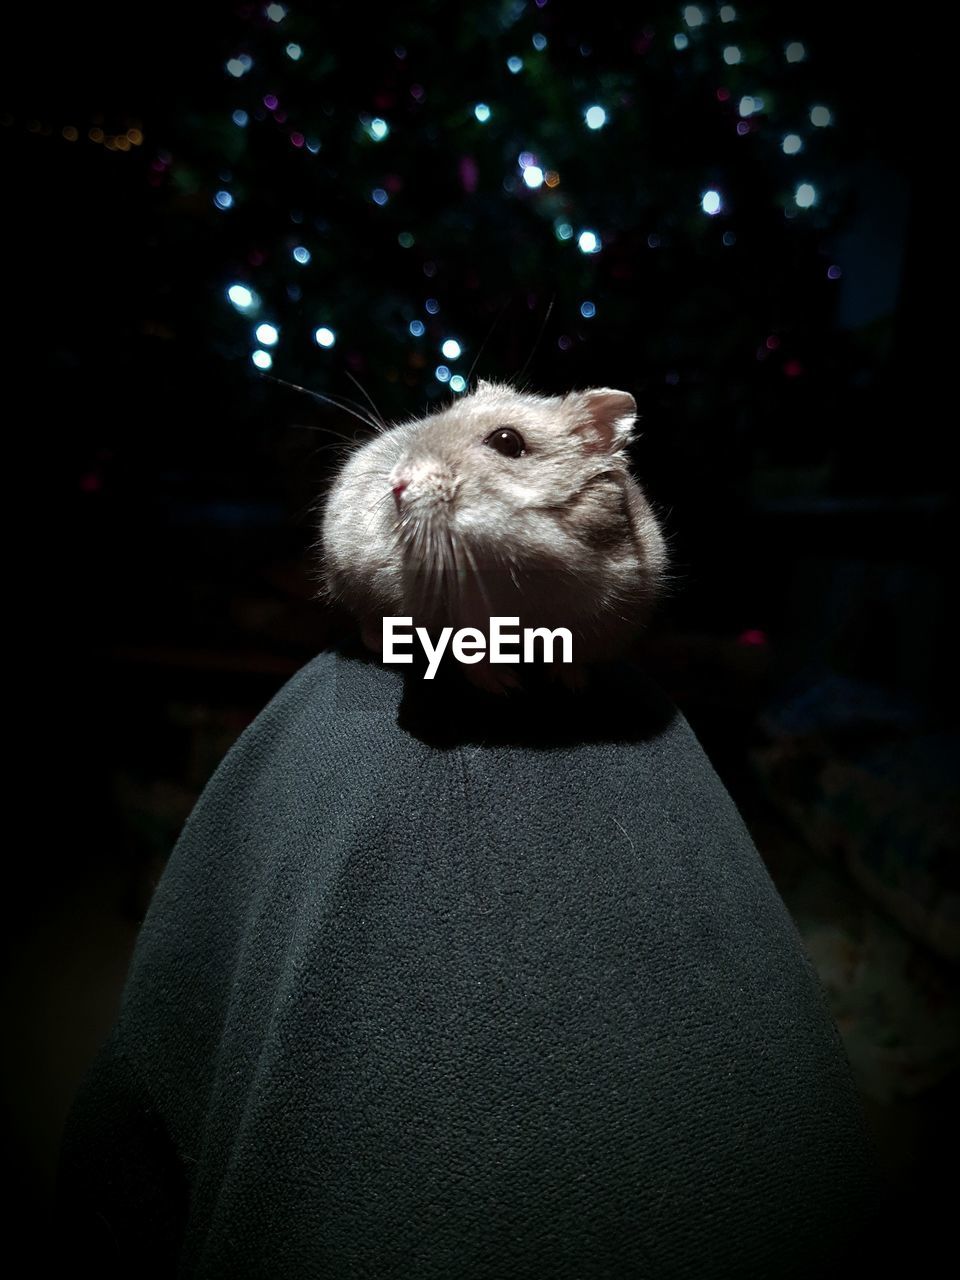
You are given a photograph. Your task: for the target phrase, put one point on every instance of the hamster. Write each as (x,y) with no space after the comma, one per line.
(502,503)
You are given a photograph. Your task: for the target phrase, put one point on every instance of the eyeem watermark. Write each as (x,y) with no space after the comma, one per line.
(470,645)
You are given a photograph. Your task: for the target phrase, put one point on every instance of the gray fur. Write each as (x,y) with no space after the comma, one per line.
(562,536)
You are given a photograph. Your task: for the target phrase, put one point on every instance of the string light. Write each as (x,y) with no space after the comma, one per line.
(473,168)
(243,299)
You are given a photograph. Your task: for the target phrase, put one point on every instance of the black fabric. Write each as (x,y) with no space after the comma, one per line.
(436,985)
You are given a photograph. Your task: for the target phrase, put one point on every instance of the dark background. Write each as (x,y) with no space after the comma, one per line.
(162,492)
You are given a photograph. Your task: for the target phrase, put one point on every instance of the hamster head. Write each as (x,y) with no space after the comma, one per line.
(502,503)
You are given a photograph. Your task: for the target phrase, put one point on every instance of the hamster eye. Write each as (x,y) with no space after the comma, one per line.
(506,441)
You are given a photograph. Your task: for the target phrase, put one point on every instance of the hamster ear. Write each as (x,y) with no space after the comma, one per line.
(606,418)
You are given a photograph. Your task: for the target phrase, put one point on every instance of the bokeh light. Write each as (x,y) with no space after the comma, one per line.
(243,299)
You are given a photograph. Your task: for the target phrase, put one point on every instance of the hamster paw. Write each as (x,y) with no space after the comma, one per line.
(494,679)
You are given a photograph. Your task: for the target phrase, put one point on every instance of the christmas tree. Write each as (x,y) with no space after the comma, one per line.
(664,200)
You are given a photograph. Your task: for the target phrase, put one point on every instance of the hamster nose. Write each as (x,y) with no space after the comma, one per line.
(398,489)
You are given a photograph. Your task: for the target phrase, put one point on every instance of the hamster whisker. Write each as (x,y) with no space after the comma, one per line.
(342,405)
(458,570)
(499,316)
(539,339)
(369,399)
(374,510)
(476,576)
